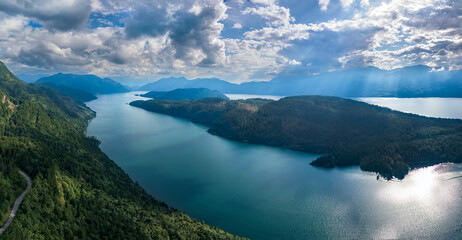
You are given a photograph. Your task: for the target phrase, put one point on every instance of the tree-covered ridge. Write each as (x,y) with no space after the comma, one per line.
(185,94)
(78,192)
(77,95)
(346,132)
(87,83)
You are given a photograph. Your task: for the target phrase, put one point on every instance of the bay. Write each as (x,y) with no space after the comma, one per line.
(264,192)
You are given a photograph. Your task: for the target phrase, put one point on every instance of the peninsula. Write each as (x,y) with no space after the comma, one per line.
(346,132)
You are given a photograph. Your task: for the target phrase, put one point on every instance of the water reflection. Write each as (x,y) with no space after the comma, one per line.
(268,193)
(418,186)
(430,107)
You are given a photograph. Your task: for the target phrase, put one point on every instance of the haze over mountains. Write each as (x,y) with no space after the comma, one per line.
(81,88)
(415,81)
(168,84)
(76,94)
(87,83)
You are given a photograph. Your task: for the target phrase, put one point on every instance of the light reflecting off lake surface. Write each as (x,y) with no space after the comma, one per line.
(430,107)
(263,192)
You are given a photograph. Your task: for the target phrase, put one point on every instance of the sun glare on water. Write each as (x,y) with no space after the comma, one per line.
(418,186)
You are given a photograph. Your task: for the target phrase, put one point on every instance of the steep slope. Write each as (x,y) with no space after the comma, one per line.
(185,94)
(78,192)
(87,83)
(346,131)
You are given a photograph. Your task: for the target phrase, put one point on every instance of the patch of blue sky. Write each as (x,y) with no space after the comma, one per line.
(111,20)
(35,24)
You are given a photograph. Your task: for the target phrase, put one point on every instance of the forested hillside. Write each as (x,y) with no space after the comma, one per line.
(87,83)
(346,132)
(77,95)
(78,192)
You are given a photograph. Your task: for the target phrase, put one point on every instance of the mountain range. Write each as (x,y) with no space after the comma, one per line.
(414,81)
(87,83)
(172,83)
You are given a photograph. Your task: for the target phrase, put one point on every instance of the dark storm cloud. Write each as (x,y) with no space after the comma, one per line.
(54,15)
(45,56)
(188,29)
(150,21)
(432,18)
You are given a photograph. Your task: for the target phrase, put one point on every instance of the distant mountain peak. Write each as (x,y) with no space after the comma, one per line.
(88,83)
(172,83)
(415,68)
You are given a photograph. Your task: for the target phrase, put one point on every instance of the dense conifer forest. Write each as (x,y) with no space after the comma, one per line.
(77,95)
(346,132)
(77,192)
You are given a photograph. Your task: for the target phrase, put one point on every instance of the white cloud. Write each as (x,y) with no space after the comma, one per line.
(264,2)
(323,4)
(54,14)
(248,57)
(294,62)
(193,33)
(364,3)
(185,37)
(237,26)
(281,34)
(347,3)
(405,32)
(11,25)
(276,15)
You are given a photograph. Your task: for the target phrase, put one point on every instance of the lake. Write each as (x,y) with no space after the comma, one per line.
(264,192)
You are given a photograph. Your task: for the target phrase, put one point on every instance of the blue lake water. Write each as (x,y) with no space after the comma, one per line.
(264,192)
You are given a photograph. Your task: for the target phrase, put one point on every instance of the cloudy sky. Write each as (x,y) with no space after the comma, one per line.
(236,40)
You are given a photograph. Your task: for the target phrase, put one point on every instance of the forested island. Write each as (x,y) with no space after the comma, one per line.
(346,132)
(77,192)
(185,94)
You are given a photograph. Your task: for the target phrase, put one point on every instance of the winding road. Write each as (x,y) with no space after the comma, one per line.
(17,203)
